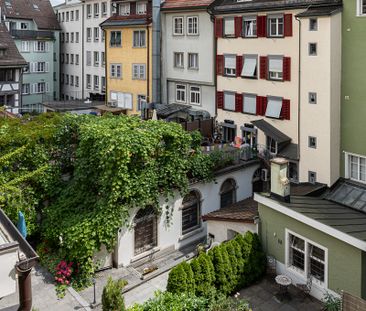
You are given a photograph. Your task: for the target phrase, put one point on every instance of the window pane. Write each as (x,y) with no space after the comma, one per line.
(317,258)
(297,252)
(274,107)
(229,26)
(229,101)
(250,67)
(250,104)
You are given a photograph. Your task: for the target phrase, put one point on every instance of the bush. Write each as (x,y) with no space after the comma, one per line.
(112,298)
(223,303)
(177,281)
(204,275)
(190,282)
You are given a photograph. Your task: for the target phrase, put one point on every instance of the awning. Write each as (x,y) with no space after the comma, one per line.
(165,110)
(271,131)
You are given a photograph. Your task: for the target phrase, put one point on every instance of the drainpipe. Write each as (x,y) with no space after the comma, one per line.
(105,68)
(299,98)
(25,289)
(156,77)
(82,50)
(212,18)
(148,65)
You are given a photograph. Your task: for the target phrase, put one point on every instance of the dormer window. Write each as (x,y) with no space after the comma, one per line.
(141,8)
(2,52)
(36,7)
(124,9)
(23,26)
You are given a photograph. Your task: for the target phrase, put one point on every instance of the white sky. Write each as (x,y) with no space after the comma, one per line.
(56,2)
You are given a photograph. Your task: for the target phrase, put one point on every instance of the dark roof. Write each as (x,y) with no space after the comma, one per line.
(185,4)
(12,56)
(129,20)
(71,105)
(165,110)
(271,131)
(230,6)
(337,216)
(40,11)
(320,11)
(242,211)
(290,151)
(307,189)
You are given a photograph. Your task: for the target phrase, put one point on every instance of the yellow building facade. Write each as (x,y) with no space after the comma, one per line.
(129,57)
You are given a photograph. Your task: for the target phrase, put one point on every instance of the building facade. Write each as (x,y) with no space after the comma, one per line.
(35,31)
(278,72)
(188,57)
(353,130)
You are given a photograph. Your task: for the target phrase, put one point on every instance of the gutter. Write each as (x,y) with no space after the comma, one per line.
(148,64)
(299,95)
(212,18)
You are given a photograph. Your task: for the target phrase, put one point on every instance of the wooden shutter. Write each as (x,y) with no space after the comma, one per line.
(286,68)
(218,27)
(238,102)
(239,65)
(259,106)
(132,8)
(285,111)
(261,26)
(220,100)
(263,60)
(238,26)
(219,65)
(264,105)
(288,25)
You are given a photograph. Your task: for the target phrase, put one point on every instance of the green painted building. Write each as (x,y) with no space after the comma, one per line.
(353,107)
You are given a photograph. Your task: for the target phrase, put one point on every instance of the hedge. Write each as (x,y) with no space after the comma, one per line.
(226,268)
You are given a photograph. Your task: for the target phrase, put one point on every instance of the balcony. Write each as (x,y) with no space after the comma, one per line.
(32,34)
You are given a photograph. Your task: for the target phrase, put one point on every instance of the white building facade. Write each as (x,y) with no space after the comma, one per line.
(188,75)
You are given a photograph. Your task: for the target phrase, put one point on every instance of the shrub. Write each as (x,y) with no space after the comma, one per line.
(204,274)
(190,281)
(112,298)
(177,281)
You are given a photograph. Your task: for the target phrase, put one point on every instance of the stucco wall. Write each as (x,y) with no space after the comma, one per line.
(344,260)
(8,259)
(220,229)
(171,235)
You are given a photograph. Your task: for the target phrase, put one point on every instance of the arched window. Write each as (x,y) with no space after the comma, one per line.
(228,193)
(145,230)
(191,212)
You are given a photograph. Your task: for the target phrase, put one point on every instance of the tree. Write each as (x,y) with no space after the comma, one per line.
(177,280)
(190,281)
(112,298)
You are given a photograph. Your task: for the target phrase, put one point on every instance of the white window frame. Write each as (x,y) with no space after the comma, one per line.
(230,71)
(88,34)
(138,71)
(141,7)
(347,166)
(104,8)
(277,33)
(181,33)
(359,11)
(124,9)
(193,62)
(25,46)
(114,71)
(248,95)
(246,59)
(274,100)
(253,31)
(28,87)
(194,31)
(227,20)
(96,12)
(96,59)
(141,43)
(88,81)
(305,273)
(196,93)
(88,11)
(96,34)
(179,92)
(276,75)
(96,82)
(230,94)
(179,64)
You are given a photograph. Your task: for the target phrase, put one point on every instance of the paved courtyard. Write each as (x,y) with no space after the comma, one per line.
(261,297)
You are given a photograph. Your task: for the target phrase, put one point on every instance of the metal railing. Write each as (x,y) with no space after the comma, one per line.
(32,34)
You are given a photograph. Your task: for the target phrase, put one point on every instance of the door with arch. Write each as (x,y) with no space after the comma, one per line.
(146,233)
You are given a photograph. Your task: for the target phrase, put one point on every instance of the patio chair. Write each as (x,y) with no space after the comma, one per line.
(305,288)
(271,266)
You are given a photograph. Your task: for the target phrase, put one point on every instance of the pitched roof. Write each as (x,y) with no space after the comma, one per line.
(40,11)
(129,20)
(271,131)
(243,211)
(185,4)
(12,56)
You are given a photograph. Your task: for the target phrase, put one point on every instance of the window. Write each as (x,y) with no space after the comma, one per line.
(88,81)
(113,8)
(23,26)
(88,58)
(180,93)
(96,82)
(271,145)
(104,8)
(25,46)
(72,15)
(40,67)
(250,27)
(71,58)
(228,193)
(96,59)
(313,24)
(275,26)
(228,131)
(88,34)
(312,142)
(124,100)
(103,36)
(62,37)
(356,167)
(67,59)
(141,102)
(72,37)
(312,177)
(67,16)
(178,25)
(67,37)
(76,59)
(195,95)
(274,107)
(361,7)
(71,80)
(229,29)
(138,71)
(77,15)
(25,88)
(139,38)
(230,65)
(178,60)
(312,49)
(63,16)
(115,40)
(191,212)
(275,67)
(88,11)
(312,98)
(103,59)
(103,84)
(40,46)
(116,71)
(192,25)
(250,66)
(250,103)
(67,79)
(141,8)
(192,61)
(307,258)
(27,67)
(39,87)
(76,81)
(77,37)
(229,101)
(124,9)
(96,34)
(96,9)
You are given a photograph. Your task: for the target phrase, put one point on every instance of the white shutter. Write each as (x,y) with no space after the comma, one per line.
(128,100)
(32,67)
(121,102)
(34,87)
(47,46)
(35,46)
(47,66)
(47,87)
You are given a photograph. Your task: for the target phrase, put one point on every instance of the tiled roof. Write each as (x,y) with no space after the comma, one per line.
(129,20)
(242,211)
(40,11)
(12,56)
(185,4)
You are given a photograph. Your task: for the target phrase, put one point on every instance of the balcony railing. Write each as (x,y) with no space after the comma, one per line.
(32,34)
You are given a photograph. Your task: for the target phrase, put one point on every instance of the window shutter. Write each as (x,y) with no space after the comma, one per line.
(285,111)
(132,8)
(218,27)
(263,67)
(220,100)
(238,102)
(47,46)
(286,68)
(264,105)
(47,69)
(259,105)
(47,87)
(219,65)
(238,26)
(239,65)
(262,26)
(288,25)
(35,46)
(34,88)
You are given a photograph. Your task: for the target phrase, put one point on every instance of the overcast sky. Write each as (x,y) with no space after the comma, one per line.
(56,2)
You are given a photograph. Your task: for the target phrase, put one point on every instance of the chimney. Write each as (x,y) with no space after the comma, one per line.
(280,185)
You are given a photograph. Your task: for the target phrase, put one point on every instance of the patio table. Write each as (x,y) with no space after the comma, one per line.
(283,282)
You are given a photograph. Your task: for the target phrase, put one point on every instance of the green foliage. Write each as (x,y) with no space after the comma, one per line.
(190,281)
(331,303)
(112,298)
(221,159)
(223,303)
(177,282)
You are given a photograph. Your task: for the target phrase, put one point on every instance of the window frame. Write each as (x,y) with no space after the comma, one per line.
(316,48)
(174,24)
(114,35)
(313,27)
(196,211)
(139,38)
(312,142)
(312,95)
(274,57)
(195,92)
(348,168)
(314,177)
(114,68)
(245,20)
(269,28)
(175,54)
(251,95)
(126,5)
(274,98)
(183,91)
(250,56)
(233,192)
(197,25)
(359,10)
(140,3)
(232,73)
(231,93)
(138,76)
(230,35)
(189,61)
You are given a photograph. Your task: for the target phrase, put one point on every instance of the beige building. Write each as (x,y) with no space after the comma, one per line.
(278,81)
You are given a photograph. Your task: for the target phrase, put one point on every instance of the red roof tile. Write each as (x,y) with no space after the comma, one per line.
(185,4)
